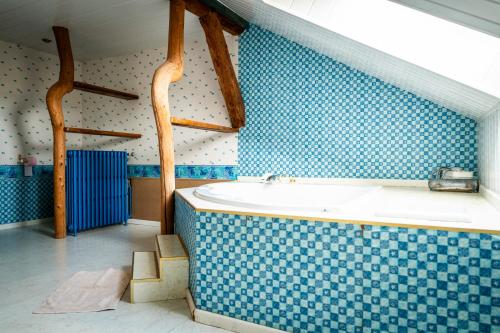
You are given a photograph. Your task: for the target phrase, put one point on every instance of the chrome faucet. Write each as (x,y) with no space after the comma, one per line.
(270,178)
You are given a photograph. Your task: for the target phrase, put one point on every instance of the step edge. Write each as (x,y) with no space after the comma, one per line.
(133,279)
(185,256)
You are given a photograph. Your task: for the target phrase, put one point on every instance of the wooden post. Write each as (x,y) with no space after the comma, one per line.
(224,68)
(169,71)
(54,103)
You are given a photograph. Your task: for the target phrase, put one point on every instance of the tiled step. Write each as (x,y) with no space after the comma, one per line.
(144,266)
(161,274)
(170,247)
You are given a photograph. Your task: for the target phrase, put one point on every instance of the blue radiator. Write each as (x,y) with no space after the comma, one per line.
(96,189)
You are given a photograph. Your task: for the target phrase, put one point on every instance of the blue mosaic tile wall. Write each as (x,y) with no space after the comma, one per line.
(25,198)
(303,276)
(311,116)
(185,230)
(28,198)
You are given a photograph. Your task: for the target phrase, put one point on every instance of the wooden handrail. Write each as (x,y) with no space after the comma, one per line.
(103,91)
(170,71)
(54,98)
(202,125)
(100,132)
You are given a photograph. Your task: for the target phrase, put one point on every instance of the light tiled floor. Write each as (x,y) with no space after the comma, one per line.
(32,264)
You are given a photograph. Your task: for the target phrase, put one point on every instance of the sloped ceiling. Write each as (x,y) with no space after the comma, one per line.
(98,28)
(482,15)
(104,28)
(428,84)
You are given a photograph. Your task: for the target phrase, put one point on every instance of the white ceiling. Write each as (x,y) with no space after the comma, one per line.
(426,83)
(103,28)
(98,28)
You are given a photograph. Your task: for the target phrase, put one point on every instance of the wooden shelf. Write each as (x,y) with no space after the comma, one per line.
(99,132)
(103,91)
(202,125)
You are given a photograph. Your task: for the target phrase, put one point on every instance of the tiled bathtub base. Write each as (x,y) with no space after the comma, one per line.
(302,276)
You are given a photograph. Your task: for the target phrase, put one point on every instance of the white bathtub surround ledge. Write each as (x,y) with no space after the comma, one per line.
(225,322)
(345,181)
(407,207)
(492,196)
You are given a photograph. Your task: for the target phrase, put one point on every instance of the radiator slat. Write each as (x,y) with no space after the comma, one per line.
(96,189)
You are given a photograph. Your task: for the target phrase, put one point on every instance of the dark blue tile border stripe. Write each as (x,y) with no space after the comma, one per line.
(153,171)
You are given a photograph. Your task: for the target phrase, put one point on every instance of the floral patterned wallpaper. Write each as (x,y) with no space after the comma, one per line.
(196,96)
(25,127)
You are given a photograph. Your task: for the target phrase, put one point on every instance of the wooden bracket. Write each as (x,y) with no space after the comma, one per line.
(103,91)
(202,125)
(100,132)
(224,68)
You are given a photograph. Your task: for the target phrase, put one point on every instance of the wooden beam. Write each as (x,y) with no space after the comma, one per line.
(54,98)
(103,91)
(224,69)
(100,132)
(202,125)
(170,71)
(230,21)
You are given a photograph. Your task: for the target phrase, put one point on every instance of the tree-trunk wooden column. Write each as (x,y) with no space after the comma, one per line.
(54,103)
(170,71)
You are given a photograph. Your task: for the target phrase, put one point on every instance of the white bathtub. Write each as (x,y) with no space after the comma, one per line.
(303,197)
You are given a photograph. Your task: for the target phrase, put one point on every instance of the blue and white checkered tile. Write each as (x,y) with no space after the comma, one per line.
(311,116)
(303,276)
(27,198)
(430,281)
(186,226)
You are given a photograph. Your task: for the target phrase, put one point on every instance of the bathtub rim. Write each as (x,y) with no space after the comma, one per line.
(188,196)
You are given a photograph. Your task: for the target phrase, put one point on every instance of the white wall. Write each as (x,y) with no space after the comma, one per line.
(489,150)
(196,96)
(25,77)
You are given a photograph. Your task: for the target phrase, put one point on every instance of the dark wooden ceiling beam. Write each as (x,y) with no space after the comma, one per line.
(224,68)
(230,21)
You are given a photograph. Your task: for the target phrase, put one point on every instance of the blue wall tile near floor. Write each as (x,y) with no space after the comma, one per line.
(306,276)
(311,116)
(25,198)
(29,198)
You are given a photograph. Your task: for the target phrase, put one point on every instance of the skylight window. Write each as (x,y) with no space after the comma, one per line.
(454,51)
